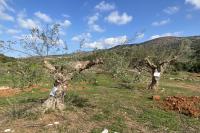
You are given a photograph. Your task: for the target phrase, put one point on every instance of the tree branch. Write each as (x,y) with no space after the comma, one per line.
(168,61)
(149,63)
(49,66)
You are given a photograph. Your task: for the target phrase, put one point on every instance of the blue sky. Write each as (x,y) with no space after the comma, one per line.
(102,23)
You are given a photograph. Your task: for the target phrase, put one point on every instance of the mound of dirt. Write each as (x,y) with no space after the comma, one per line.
(186,105)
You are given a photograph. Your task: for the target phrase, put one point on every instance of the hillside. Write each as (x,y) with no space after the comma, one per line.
(161,47)
(5,59)
(164,41)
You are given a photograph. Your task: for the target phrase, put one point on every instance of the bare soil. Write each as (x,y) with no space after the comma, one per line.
(7,91)
(186,105)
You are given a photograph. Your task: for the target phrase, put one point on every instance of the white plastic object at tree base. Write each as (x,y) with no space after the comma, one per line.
(53,91)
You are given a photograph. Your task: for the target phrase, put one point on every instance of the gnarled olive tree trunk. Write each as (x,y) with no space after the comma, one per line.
(159,68)
(56,101)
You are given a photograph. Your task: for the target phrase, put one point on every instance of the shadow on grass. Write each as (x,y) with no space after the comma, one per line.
(76,100)
(17,112)
(124,86)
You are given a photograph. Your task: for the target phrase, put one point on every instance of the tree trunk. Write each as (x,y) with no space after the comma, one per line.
(154,83)
(57,101)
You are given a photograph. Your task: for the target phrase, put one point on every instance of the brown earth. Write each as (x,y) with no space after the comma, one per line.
(186,105)
(156,97)
(7,91)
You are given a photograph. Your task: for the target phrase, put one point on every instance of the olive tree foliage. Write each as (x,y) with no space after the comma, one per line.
(44,42)
(116,61)
(38,43)
(24,74)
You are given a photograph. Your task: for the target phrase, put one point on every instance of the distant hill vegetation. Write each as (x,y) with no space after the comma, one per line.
(156,48)
(5,59)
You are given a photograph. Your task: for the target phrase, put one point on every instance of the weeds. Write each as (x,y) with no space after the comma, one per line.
(76,100)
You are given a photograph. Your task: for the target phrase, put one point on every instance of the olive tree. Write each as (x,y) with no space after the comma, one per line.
(157,58)
(45,42)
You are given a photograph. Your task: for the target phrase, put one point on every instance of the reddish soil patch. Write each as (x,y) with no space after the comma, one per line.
(186,105)
(44,89)
(156,97)
(6,91)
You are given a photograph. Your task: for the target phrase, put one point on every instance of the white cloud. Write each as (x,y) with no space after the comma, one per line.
(166,34)
(62,33)
(171,10)
(4,7)
(93,19)
(97,28)
(103,6)
(26,23)
(115,18)
(43,17)
(5,16)
(106,43)
(92,23)
(85,36)
(65,15)
(65,24)
(195,3)
(61,42)
(12,31)
(161,23)
(139,35)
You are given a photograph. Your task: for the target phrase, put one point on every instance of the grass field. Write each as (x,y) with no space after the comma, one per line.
(103,102)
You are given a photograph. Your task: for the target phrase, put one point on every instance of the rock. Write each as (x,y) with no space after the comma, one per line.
(156,97)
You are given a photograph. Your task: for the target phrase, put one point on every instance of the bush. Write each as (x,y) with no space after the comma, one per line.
(24,74)
(187,66)
(76,100)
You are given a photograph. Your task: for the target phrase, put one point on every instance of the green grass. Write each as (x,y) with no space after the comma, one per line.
(24,97)
(116,107)
(136,103)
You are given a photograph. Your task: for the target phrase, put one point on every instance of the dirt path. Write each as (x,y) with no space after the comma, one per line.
(192,87)
(189,86)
